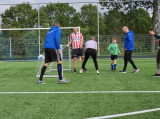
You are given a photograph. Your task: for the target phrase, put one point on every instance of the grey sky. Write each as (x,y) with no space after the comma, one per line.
(42,1)
(77,5)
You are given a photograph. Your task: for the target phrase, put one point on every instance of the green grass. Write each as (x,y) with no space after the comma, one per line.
(20,77)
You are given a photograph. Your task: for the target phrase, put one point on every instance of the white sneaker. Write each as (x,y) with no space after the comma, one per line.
(63,81)
(80,71)
(97,72)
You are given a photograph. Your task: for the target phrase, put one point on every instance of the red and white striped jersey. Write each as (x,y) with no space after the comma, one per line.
(76,40)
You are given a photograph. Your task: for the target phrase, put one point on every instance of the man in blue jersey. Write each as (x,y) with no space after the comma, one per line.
(52,52)
(129,48)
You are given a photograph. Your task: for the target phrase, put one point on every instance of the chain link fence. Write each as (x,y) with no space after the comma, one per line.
(103,20)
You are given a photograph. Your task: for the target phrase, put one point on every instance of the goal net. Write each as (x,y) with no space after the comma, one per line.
(28,43)
(51,70)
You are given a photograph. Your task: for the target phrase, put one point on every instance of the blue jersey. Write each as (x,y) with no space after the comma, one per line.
(53,38)
(129,41)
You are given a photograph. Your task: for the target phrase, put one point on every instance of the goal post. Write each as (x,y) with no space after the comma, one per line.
(27,43)
(50,68)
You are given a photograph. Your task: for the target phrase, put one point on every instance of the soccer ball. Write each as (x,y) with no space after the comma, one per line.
(40,57)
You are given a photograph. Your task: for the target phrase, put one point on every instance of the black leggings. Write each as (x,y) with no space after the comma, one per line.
(158,61)
(93,53)
(127,57)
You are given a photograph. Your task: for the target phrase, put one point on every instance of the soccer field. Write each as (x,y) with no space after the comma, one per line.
(87,95)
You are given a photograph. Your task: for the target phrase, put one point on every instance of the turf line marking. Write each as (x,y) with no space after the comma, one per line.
(123,60)
(71,65)
(125,114)
(80,92)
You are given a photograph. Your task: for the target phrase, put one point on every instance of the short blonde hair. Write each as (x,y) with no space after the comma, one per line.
(56,24)
(125,27)
(93,38)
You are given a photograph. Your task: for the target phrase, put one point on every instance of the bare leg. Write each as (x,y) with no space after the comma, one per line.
(115,61)
(74,62)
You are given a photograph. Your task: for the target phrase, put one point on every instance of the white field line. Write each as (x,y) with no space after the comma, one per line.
(110,64)
(77,64)
(125,114)
(109,59)
(83,92)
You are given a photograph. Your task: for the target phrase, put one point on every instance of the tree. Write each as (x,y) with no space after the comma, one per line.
(89,19)
(62,13)
(114,21)
(76,20)
(139,21)
(130,6)
(19,16)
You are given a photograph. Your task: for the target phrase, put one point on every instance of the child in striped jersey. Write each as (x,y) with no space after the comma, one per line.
(113,49)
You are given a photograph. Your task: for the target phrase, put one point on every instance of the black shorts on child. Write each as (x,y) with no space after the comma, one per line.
(114,57)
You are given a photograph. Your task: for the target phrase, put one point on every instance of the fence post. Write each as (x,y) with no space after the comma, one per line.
(158,17)
(39,31)
(98,28)
(10,47)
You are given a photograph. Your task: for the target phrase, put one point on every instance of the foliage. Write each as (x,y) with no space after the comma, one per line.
(138,19)
(110,22)
(20,16)
(89,19)
(62,13)
(114,21)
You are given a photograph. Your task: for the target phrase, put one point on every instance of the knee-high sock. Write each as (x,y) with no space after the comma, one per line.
(115,66)
(59,67)
(42,72)
(111,66)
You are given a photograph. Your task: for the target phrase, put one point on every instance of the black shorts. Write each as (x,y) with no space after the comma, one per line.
(114,57)
(77,52)
(52,55)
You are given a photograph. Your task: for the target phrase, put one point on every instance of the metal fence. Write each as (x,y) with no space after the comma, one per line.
(16,48)
(103,19)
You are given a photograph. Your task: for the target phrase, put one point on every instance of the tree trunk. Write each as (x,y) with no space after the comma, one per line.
(153,24)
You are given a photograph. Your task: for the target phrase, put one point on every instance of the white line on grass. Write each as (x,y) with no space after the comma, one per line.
(77,65)
(125,114)
(81,92)
(108,60)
